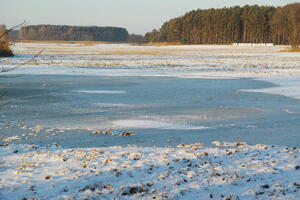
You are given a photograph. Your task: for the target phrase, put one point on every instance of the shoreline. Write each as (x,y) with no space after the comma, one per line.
(229,170)
(189,171)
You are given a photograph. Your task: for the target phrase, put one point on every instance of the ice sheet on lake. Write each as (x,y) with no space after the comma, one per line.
(149,124)
(286,85)
(114,105)
(101,91)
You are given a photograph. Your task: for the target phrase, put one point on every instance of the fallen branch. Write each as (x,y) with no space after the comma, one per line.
(24,63)
(11,29)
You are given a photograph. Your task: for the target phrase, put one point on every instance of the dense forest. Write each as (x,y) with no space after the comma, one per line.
(135,38)
(248,24)
(73,33)
(13,35)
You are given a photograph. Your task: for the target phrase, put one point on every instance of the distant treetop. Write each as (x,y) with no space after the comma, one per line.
(248,24)
(73,33)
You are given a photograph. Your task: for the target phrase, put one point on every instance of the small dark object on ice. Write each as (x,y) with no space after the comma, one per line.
(259,193)
(33,147)
(32,188)
(149,184)
(91,187)
(95,132)
(66,189)
(297,167)
(107,132)
(134,190)
(55,145)
(265,186)
(127,133)
(296,184)
(15,151)
(109,187)
(238,144)
(47,177)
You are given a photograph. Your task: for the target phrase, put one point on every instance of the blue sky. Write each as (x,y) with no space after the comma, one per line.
(138,16)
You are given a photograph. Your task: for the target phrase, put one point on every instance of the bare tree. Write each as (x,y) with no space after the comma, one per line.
(5,50)
(4,34)
(5,43)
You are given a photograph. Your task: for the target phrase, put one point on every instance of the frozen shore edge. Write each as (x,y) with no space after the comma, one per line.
(227,171)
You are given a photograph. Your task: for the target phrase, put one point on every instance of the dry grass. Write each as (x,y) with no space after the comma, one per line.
(5,50)
(295,50)
(291,50)
(106,52)
(165,43)
(59,52)
(131,52)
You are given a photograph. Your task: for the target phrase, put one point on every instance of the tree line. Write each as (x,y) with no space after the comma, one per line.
(247,24)
(73,33)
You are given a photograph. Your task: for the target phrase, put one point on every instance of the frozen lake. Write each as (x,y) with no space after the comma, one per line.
(166,95)
(162,111)
(208,99)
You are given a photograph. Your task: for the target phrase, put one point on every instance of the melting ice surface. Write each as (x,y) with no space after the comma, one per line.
(182,96)
(160,110)
(285,86)
(101,91)
(148,124)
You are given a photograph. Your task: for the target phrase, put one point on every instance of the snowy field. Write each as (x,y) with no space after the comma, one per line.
(270,63)
(229,171)
(118,165)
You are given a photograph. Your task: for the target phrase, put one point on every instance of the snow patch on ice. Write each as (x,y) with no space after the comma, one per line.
(9,139)
(149,124)
(286,85)
(114,105)
(101,91)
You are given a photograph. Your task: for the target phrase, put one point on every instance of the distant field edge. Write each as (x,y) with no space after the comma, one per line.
(297,50)
(67,42)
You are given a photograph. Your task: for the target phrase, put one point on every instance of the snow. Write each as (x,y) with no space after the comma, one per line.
(149,124)
(227,171)
(286,85)
(230,171)
(8,139)
(269,63)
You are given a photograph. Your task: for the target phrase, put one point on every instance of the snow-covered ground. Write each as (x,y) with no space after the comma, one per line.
(229,171)
(288,85)
(272,63)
